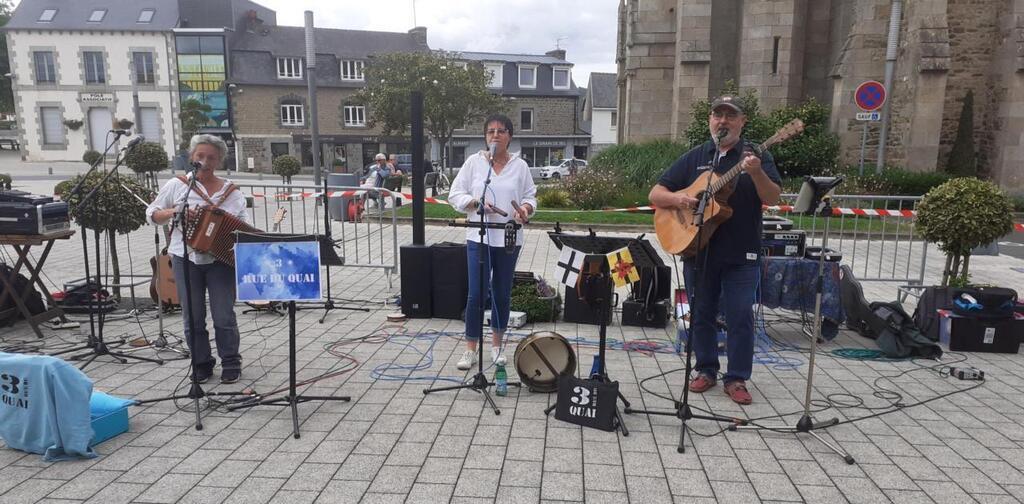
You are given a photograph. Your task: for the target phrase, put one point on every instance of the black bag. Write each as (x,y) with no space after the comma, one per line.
(932,299)
(984,302)
(34,302)
(897,334)
(587,402)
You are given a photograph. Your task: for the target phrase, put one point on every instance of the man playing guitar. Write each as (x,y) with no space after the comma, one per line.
(730,263)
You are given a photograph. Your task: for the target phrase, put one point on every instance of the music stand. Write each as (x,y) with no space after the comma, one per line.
(283,268)
(600,296)
(815,199)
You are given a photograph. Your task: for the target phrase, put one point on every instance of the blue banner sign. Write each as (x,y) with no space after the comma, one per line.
(278,271)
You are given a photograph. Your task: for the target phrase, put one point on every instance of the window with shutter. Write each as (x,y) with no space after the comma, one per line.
(149,117)
(53,130)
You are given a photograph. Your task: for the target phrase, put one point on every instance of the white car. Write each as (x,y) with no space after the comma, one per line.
(562,169)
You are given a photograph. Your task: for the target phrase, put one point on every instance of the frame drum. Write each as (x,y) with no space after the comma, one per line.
(541,358)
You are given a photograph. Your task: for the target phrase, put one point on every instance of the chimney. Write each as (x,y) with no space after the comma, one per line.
(557,53)
(419,34)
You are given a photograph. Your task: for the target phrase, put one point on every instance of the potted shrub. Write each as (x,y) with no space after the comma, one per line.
(538,300)
(960,215)
(73,124)
(287,166)
(145,160)
(91,157)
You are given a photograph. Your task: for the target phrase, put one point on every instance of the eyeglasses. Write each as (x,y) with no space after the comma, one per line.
(497,131)
(732,114)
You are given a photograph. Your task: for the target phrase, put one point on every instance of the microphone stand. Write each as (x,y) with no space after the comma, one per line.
(95,346)
(682,409)
(479,383)
(327,240)
(195,391)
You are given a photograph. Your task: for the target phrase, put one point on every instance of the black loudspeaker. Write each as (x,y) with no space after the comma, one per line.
(635,313)
(581,312)
(416,280)
(450,287)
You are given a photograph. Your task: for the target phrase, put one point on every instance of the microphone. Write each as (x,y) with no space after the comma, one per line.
(135,141)
(120,132)
(196,166)
(492,148)
(722,133)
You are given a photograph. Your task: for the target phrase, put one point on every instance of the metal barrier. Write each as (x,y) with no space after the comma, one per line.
(877,248)
(369,242)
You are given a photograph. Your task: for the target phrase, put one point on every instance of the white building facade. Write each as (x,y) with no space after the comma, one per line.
(73,86)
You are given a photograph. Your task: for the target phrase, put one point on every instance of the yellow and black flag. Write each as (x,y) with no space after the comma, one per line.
(622,268)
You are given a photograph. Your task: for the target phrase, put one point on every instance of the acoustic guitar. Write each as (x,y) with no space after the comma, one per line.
(162,287)
(675,227)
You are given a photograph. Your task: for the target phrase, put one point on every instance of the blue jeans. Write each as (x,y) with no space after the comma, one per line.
(499,267)
(732,289)
(219,280)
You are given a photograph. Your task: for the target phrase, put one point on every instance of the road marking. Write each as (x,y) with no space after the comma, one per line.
(1011,244)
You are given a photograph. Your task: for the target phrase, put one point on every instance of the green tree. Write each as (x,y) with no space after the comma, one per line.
(812,152)
(6,93)
(452,96)
(960,215)
(193,116)
(962,160)
(145,160)
(111,210)
(286,166)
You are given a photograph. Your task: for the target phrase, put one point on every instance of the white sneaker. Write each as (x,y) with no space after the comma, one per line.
(497,357)
(467,360)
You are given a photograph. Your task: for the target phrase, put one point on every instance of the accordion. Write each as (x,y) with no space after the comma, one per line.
(212,231)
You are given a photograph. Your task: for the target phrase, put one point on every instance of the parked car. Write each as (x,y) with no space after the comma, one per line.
(563,169)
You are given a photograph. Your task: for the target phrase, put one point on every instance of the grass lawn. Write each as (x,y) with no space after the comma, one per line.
(845,225)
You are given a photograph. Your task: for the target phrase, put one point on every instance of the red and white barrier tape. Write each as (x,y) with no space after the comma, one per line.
(864,212)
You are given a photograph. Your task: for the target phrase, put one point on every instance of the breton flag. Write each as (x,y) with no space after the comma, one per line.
(570,262)
(620,264)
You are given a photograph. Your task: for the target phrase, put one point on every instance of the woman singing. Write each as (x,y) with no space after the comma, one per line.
(206,152)
(510,195)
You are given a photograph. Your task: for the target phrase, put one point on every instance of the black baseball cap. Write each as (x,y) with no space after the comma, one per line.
(730,101)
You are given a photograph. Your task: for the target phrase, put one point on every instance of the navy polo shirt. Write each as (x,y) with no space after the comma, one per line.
(739,236)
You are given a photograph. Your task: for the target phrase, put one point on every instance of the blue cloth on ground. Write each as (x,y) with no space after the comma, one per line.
(44,407)
(789,283)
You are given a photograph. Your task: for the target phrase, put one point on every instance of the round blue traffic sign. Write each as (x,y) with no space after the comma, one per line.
(870,95)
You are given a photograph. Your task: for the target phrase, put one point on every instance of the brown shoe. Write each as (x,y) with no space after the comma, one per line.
(701,383)
(737,391)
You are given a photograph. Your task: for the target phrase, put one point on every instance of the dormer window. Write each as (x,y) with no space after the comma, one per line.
(528,76)
(289,68)
(496,74)
(97,15)
(146,16)
(560,78)
(47,15)
(351,70)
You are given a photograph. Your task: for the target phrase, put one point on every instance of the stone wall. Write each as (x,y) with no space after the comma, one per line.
(647,69)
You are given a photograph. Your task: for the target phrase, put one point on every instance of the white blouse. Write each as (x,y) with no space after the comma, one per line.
(171,196)
(514,183)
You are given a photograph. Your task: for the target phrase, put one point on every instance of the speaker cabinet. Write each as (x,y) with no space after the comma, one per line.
(416,267)
(450,287)
(581,312)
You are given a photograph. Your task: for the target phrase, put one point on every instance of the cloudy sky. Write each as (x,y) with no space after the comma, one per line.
(584,28)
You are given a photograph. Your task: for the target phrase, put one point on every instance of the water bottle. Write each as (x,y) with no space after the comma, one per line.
(595,368)
(680,336)
(500,381)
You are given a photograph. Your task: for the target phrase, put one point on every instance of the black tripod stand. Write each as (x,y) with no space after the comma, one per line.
(95,346)
(292,398)
(815,199)
(329,258)
(195,391)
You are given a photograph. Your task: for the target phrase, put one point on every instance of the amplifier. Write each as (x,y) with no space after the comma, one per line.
(783,243)
(29,219)
(16,196)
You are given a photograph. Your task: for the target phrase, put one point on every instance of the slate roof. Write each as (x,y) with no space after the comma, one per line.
(603,90)
(121,15)
(290,41)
